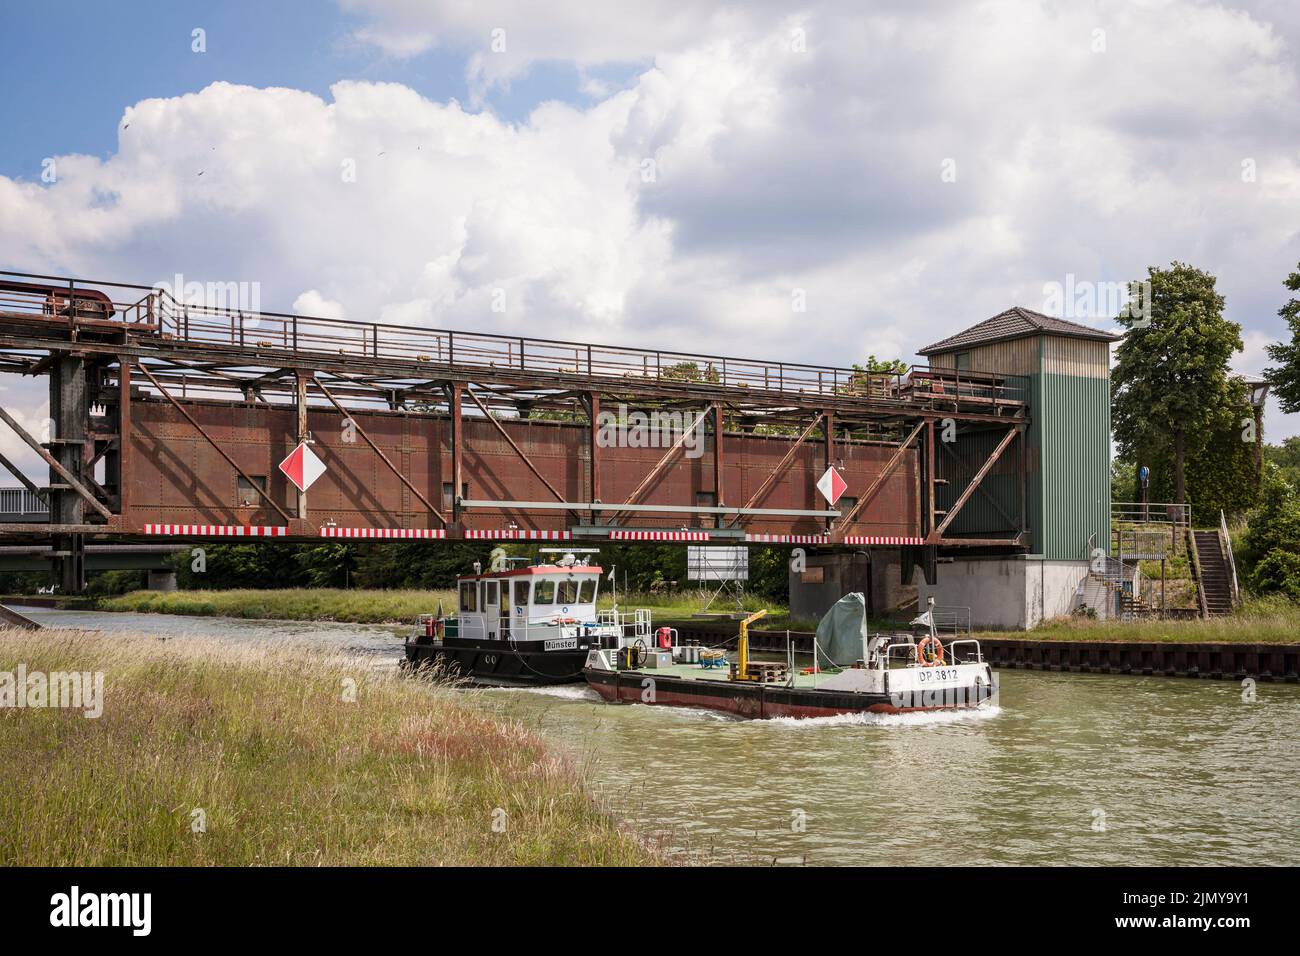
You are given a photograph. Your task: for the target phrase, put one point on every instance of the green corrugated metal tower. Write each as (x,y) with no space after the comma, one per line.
(1068,367)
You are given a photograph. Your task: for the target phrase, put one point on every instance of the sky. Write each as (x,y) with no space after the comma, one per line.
(810,181)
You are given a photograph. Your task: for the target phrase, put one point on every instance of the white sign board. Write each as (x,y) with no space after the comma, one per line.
(717,564)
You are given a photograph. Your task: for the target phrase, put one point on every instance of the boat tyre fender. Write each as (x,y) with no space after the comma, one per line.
(929,653)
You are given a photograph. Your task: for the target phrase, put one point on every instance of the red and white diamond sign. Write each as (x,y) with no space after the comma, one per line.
(302,467)
(831,485)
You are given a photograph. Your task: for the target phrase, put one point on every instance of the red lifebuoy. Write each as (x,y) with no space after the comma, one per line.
(929,653)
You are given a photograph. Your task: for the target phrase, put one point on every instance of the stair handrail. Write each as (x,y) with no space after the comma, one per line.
(1195,557)
(1232,561)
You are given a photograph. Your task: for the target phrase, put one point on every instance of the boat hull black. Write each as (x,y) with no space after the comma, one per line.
(498,662)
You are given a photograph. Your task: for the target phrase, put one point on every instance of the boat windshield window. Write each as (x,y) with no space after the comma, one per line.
(568,593)
(521,593)
(544,593)
(588,592)
(469,595)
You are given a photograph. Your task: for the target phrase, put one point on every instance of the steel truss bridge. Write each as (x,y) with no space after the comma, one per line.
(168,421)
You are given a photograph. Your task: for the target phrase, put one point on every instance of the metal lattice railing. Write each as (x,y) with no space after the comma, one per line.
(274,333)
(20,501)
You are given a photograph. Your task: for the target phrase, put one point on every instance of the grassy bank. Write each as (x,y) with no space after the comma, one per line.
(281,767)
(289,604)
(1261,621)
(379,607)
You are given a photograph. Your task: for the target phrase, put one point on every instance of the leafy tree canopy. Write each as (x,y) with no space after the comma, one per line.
(1285,378)
(1170,376)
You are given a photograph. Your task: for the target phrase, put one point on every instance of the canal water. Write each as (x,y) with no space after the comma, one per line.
(1066,769)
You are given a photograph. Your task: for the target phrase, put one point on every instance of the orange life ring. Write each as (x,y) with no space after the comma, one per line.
(924,650)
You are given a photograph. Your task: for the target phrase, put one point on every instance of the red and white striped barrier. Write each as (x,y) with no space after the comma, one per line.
(521,534)
(218,530)
(787,539)
(333,532)
(880,539)
(659,536)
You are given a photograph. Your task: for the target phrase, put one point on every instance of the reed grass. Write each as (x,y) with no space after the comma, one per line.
(284,769)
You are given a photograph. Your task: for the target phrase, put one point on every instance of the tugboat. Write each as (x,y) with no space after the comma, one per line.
(887,674)
(531,625)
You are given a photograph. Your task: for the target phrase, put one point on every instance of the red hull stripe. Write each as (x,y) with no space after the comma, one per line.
(659,536)
(218,530)
(526,534)
(332,532)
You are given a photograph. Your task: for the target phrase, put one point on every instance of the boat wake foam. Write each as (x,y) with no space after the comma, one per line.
(567,691)
(926,719)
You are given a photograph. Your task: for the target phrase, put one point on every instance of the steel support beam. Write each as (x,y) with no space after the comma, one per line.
(719,497)
(518,451)
(300,408)
(969,490)
(382,457)
(879,481)
(124,458)
(660,466)
(830,446)
(59,469)
(593,447)
(779,470)
(983,492)
(457,439)
(30,485)
(510,505)
(930,477)
(220,451)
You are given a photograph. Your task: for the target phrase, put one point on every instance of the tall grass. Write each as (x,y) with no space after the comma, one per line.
(1274,620)
(283,768)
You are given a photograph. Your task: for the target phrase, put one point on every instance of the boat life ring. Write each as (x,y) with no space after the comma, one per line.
(929,653)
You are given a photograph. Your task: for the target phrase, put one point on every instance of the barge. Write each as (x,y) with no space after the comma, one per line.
(894,674)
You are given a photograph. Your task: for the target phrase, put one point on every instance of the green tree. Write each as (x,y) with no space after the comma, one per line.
(1221,473)
(1270,551)
(875,366)
(327,565)
(1286,457)
(1171,371)
(1285,378)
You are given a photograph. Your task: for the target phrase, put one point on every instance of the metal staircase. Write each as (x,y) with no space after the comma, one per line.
(1216,576)
(1123,581)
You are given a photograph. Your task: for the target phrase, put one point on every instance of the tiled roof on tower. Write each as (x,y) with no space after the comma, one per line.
(1015,323)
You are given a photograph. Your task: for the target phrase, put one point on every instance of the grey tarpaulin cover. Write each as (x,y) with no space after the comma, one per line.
(842,630)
